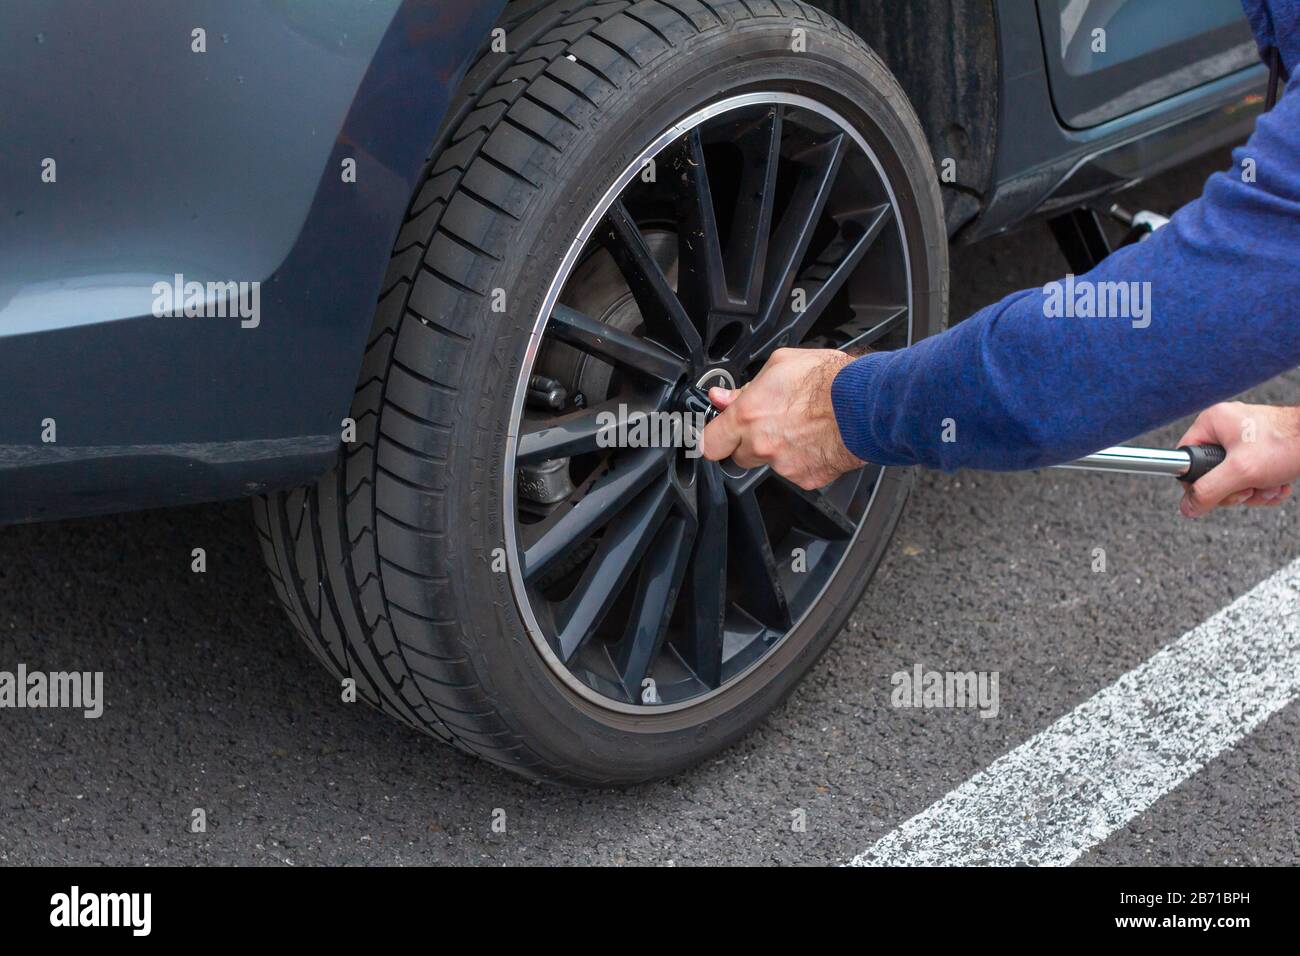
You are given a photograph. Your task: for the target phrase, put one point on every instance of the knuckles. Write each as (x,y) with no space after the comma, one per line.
(763,447)
(1250,472)
(746,413)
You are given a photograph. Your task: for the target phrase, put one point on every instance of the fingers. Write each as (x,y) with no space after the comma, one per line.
(784,418)
(1250,497)
(1212,491)
(745,456)
(1268,497)
(720,438)
(727,436)
(1259,468)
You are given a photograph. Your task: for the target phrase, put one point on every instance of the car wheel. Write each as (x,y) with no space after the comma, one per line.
(637,201)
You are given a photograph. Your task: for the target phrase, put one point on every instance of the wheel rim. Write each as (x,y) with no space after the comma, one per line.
(658,580)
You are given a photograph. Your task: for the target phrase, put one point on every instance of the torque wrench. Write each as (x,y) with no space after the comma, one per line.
(1186,463)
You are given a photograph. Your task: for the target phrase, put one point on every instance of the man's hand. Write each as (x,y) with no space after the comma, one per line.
(1263,445)
(784,418)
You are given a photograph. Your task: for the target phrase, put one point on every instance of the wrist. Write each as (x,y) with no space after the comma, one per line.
(1291,420)
(821,404)
(818,384)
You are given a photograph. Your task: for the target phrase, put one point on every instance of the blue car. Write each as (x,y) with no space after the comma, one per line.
(439,285)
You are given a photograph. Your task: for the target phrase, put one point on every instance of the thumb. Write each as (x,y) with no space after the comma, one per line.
(722,398)
(1203,496)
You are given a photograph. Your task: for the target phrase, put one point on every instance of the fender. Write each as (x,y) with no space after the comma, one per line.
(195,147)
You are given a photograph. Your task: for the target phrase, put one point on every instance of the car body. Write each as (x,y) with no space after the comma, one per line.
(227,164)
(222,164)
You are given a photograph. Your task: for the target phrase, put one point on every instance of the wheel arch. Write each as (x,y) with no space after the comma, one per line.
(945,56)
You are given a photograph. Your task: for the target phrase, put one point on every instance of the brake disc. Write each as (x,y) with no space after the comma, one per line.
(572,378)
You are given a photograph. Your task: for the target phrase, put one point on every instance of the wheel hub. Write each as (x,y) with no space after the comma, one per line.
(716,378)
(695,398)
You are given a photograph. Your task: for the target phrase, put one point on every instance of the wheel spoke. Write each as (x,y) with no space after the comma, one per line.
(876,322)
(607,495)
(756,565)
(665,316)
(657,589)
(576,433)
(615,346)
(708,580)
(750,480)
(820,167)
(816,513)
(621,549)
(746,259)
(702,276)
(823,282)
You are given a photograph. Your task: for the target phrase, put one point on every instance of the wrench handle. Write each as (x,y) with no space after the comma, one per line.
(1187,463)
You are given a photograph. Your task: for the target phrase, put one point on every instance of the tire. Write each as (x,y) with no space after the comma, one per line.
(390,566)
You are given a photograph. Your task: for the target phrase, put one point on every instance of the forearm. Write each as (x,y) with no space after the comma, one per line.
(1022,384)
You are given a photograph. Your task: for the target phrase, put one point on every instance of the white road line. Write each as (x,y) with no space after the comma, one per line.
(1090,773)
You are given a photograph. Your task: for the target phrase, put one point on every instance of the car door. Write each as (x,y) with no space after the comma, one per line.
(1109,58)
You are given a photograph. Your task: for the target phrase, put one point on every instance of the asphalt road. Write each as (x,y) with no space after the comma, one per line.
(213,703)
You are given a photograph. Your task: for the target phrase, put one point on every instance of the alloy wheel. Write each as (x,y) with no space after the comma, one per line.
(650,579)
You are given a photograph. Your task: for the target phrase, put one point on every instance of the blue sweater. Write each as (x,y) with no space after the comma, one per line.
(1213,308)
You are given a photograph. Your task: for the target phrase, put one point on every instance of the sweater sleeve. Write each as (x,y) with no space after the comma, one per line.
(1206,307)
